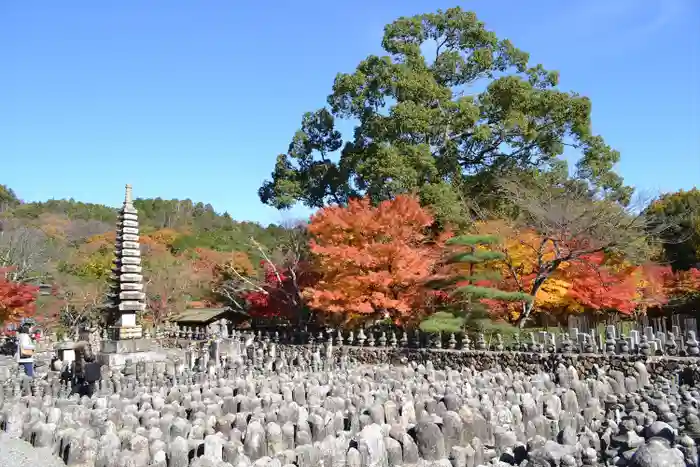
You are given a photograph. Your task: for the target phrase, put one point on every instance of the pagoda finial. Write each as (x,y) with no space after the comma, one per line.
(128,198)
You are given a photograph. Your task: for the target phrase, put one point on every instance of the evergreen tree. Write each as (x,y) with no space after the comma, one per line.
(472,261)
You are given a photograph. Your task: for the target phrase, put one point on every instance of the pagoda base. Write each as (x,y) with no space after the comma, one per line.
(125,332)
(115,353)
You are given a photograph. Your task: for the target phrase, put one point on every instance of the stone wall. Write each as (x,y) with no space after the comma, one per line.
(684,370)
(646,343)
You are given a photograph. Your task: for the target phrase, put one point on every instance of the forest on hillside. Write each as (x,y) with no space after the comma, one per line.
(67,246)
(445,208)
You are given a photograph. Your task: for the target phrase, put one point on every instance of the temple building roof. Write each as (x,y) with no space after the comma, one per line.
(204,316)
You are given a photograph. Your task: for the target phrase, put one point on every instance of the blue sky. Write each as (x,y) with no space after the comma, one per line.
(187,99)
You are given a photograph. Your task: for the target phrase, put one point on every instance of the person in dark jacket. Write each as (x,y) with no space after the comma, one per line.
(92,373)
(86,372)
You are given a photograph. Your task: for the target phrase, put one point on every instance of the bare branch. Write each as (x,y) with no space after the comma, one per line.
(23,249)
(80,303)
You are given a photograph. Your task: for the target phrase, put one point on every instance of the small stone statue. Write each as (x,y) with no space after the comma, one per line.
(671,346)
(452,342)
(623,345)
(566,346)
(361,338)
(339,338)
(481,342)
(692,345)
(610,342)
(498,346)
(644,347)
(551,346)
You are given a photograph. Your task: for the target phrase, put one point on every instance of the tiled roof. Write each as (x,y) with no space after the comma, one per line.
(201,315)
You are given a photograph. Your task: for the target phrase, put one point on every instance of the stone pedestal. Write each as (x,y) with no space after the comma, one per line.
(126,332)
(115,353)
(65,351)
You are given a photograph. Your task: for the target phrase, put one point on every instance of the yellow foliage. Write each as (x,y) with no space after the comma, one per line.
(552,294)
(96,266)
(525,252)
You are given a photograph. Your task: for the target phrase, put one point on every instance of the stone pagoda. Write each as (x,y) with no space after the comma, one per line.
(126,298)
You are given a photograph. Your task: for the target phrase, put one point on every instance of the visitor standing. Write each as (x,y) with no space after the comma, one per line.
(25,350)
(92,374)
(86,372)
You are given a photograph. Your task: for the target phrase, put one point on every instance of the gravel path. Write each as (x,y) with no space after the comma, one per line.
(17,453)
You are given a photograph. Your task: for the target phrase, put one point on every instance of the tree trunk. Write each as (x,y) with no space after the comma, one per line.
(529,307)
(525,315)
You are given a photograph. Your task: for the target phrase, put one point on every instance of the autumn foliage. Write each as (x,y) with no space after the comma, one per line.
(591,282)
(349,265)
(17,300)
(278,295)
(593,286)
(372,260)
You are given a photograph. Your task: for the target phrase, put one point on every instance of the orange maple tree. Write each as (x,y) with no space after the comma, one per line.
(372,261)
(651,285)
(659,285)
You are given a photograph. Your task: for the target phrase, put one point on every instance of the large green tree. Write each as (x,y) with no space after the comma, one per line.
(681,246)
(443,114)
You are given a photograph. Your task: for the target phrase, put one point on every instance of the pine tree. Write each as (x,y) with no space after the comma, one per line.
(467,284)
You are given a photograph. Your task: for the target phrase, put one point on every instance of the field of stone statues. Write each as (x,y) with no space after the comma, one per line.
(267,404)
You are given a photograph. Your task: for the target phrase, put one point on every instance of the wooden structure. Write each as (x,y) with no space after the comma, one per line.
(198,317)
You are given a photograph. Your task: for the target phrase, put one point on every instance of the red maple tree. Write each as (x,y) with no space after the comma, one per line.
(17,300)
(278,295)
(597,287)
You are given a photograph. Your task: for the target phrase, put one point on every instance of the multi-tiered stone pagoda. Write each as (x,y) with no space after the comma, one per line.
(127,297)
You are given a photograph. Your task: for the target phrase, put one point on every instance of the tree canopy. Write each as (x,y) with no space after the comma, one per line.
(681,248)
(449,108)
(373,261)
(557,251)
